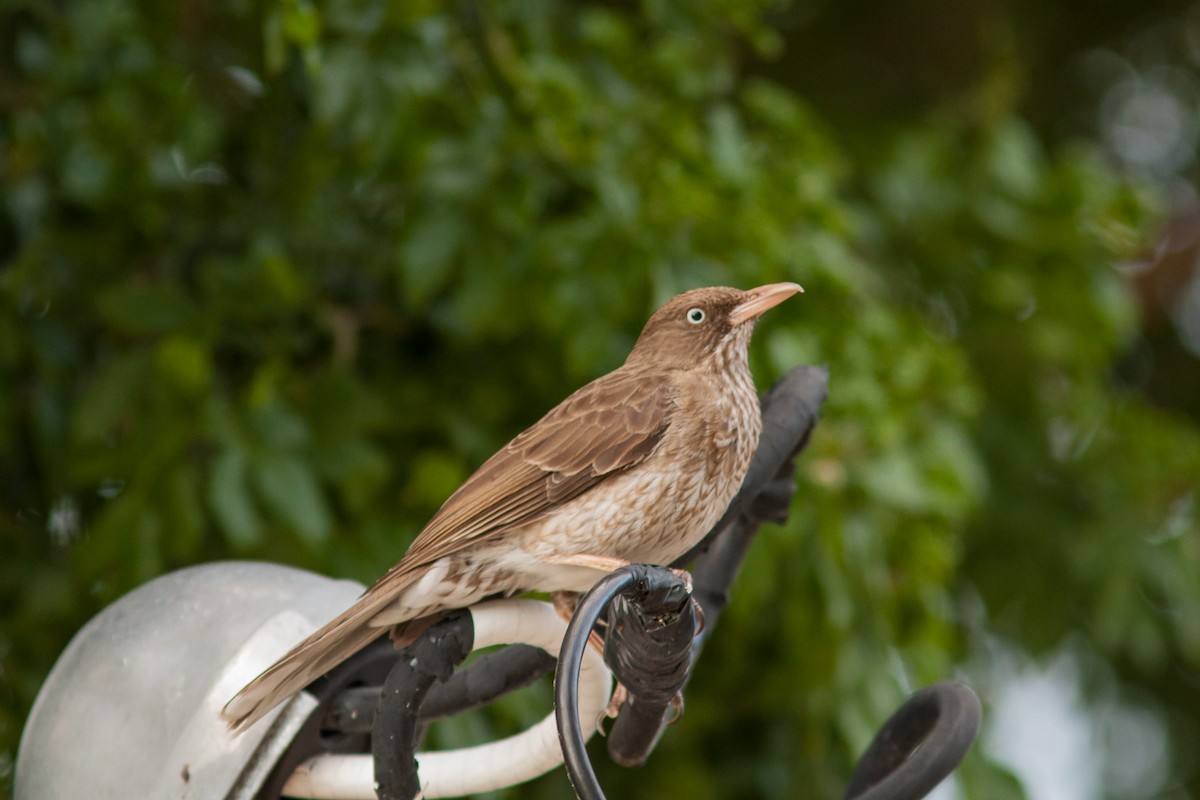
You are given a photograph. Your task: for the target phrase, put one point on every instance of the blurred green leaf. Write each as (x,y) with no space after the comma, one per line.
(107,400)
(427,256)
(360,471)
(184,512)
(277,427)
(434,477)
(230,501)
(289,488)
(184,363)
(728,147)
(146,308)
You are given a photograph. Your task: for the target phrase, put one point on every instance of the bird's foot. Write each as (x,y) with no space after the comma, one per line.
(619,695)
(684,576)
(564,605)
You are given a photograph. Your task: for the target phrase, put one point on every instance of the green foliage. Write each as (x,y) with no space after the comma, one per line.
(273,280)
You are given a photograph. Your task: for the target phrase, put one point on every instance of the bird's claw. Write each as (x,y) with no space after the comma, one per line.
(677,707)
(700,620)
(684,576)
(619,695)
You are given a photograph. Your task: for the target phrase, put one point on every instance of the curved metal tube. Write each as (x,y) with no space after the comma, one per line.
(919,745)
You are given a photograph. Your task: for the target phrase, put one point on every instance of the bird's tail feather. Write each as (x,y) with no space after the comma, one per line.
(323,650)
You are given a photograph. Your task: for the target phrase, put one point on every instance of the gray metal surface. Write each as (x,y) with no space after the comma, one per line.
(131,707)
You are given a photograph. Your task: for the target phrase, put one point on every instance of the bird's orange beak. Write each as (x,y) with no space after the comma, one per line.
(761,299)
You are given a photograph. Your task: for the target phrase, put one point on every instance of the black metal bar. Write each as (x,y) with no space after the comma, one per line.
(353,711)
(431,658)
(651,625)
(919,745)
(491,676)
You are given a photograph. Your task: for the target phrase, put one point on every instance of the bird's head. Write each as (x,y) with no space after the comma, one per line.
(694,325)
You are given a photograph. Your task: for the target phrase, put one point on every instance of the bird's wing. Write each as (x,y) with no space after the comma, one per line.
(608,426)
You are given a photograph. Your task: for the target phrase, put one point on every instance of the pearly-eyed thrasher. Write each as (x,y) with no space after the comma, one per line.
(635,467)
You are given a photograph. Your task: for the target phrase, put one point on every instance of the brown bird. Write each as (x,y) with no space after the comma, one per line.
(635,467)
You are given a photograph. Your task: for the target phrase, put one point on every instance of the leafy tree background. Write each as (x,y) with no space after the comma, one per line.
(274,277)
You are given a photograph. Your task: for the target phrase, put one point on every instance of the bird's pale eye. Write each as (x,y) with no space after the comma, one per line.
(695,315)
